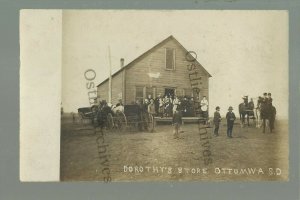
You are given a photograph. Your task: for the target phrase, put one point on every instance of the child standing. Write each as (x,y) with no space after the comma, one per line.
(217,120)
(230,120)
(177,121)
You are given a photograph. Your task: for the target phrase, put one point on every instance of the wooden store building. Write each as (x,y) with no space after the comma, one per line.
(163,69)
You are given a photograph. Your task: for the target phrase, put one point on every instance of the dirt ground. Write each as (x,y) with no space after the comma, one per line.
(89,155)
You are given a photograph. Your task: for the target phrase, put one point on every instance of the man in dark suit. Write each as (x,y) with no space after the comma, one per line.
(272,111)
(184,105)
(217,120)
(270,100)
(265,97)
(230,116)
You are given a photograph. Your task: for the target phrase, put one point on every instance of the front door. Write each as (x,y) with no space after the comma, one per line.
(170,92)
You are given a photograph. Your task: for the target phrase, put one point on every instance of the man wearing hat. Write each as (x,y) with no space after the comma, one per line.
(230,116)
(217,120)
(272,111)
(269,99)
(265,97)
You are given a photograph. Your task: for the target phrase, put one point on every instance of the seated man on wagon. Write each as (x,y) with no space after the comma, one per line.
(251,108)
(251,104)
(119,106)
(120,103)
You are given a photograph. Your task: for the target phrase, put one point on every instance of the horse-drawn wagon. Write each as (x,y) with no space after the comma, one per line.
(119,118)
(263,112)
(86,115)
(133,117)
(246,108)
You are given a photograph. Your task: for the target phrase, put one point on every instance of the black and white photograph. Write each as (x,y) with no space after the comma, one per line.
(172,95)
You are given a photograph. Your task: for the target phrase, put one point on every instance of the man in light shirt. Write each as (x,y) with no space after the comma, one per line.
(204,107)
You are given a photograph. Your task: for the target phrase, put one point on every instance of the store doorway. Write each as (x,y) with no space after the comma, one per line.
(170,92)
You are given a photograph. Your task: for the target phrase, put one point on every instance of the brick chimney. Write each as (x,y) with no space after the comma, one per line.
(122,62)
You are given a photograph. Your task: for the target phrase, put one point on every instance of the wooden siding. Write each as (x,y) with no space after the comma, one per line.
(154,62)
(116,88)
(137,74)
(102,90)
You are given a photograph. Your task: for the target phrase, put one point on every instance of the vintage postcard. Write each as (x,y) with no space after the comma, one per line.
(156,95)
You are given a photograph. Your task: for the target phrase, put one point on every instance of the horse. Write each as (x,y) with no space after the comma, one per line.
(246,109)
(103,110)
(267,114)
(119,108)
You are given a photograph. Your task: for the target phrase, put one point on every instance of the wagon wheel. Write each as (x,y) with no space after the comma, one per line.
(121,121)
(110,121)
(150,122)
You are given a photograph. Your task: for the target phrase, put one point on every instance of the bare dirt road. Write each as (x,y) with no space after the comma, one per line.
(89,155)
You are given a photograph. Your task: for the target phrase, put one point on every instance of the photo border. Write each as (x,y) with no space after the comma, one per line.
(12,188)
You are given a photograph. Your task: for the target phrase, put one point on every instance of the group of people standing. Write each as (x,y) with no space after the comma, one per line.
(166,106)
(172,106)
(264,103)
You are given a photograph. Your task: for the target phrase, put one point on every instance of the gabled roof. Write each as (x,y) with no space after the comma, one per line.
(171,37)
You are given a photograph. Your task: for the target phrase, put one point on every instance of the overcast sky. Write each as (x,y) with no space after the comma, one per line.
(246,52)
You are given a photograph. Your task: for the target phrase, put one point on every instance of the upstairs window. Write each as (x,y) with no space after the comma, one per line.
(170,59)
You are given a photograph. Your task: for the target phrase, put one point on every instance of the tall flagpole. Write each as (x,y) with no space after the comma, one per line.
(109,84)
